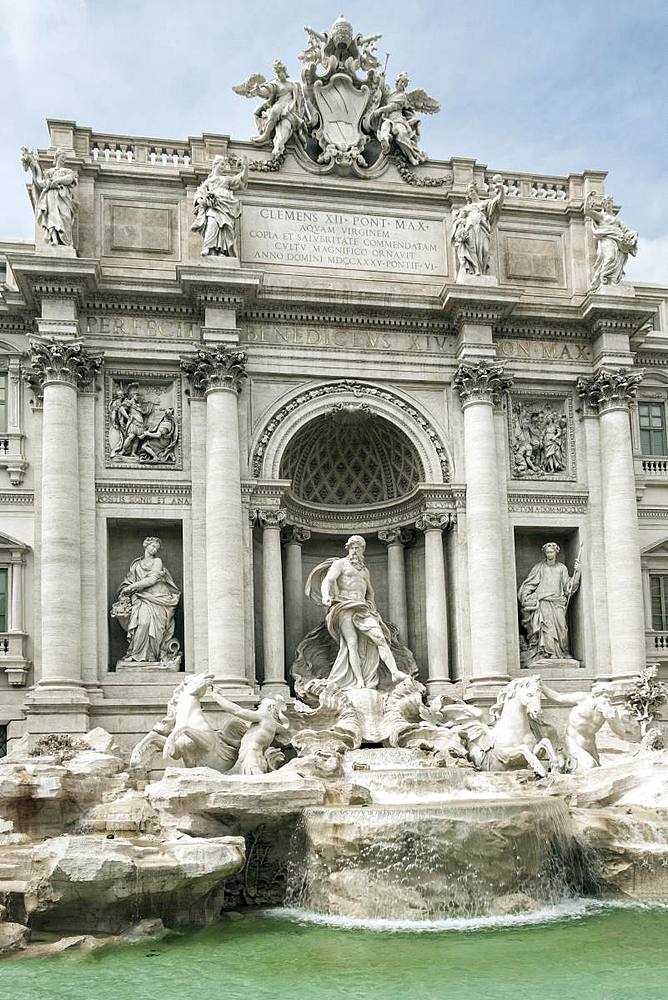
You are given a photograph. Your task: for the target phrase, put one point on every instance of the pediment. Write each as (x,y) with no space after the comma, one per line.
(7,542)
(659,548)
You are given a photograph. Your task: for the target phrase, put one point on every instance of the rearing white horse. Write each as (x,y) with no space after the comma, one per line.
(514,740)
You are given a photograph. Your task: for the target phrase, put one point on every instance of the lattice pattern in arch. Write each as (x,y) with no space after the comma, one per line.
(351,457)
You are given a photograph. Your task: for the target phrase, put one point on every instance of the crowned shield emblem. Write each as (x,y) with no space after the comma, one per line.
(341,106)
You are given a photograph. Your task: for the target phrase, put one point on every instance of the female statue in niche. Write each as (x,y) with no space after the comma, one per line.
(145,607)
(544,597)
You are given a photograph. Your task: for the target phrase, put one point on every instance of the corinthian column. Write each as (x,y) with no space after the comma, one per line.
(480,386)
(59,369)
(395,539)
(219,375)
(273,634)
(436,606)
(611,392)
(293,538)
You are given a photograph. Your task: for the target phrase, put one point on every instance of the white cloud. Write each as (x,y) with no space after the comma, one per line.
(651,264)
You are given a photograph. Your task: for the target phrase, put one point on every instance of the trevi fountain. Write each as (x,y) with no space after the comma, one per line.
(333,563)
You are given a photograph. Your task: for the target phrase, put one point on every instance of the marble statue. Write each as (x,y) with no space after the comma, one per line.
(243,744)
(267,723)
(472,225)
(145,607)
(396,120)
(590,710)
(353,620)
(543,598)
(217,208)
(614,241)
(186,736)
(539,440)
(53,196)
(282,112)
(136,431)
(511,741)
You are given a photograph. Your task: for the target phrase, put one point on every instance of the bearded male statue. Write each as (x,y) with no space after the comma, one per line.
(364,640)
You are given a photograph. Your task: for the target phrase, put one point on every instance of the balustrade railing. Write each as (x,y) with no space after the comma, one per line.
(107,149)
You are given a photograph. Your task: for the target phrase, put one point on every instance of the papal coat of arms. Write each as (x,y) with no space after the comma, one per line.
(343,115)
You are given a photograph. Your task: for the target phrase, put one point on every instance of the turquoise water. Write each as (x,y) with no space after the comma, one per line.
(606,954)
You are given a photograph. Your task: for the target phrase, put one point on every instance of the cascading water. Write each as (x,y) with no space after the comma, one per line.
(433,844)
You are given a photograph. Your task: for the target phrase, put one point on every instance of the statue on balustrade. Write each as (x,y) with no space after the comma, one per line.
(614,241)
(353,622)
(145,607)
(53,195)
(472,228)
(396,120)
(217,208)
(544,598)
(282,112)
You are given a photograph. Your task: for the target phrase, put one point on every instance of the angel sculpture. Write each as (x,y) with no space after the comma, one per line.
(243,744)
(53,197)
(282,112)
(397,119)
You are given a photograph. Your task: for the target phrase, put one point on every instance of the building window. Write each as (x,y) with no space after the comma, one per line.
(658,585)
(3,402)
(4,598)
(3,741)
(652,418)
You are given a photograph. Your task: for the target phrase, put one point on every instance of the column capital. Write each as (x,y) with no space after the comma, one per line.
(215,369)
(610,388)
(433,520)
(68,362)
(294,534)
(394,536)
(481,382)
(272,518)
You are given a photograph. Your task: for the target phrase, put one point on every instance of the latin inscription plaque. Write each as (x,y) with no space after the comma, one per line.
(361,242)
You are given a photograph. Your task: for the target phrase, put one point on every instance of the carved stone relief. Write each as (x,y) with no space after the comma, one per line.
(540,429)
(143,420)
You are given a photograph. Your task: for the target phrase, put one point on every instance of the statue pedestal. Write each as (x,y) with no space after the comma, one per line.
(124,665)
(550,665)
(480,280)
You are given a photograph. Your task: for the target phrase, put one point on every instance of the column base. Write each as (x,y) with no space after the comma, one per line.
(444,687)
(275,689)
(57,708)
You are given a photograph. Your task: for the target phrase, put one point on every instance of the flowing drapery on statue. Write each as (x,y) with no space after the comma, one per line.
(53,197)
(543,599)
(217,208)
(145,607)
(353,627)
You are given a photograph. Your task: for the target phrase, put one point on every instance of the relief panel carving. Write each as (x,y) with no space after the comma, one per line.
(143,420)
(542,444)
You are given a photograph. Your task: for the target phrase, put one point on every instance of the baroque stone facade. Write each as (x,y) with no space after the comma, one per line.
(252,350)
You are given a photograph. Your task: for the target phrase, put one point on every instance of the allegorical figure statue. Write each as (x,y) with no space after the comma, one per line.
(589,711)
(614,241)
(217,208)
(397,119)
(145,607)
(53,197)
(282,112)
(353,620)
(544,597)
(472,228)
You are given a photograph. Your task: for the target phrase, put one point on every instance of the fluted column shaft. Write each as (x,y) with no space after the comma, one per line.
(59,369)
(273,634)
(436,606)
(611,392)
(219,374)
(293,539)
(479,387)
(395,539)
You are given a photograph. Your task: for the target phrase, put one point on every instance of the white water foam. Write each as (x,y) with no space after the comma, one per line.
(570,909)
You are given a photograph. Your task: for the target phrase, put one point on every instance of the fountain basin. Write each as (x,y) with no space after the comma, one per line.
(461,857)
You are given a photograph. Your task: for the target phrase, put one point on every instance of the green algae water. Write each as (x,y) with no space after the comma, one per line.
(601,954)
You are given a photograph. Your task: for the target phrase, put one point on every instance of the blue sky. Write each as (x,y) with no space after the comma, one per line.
(552,87)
